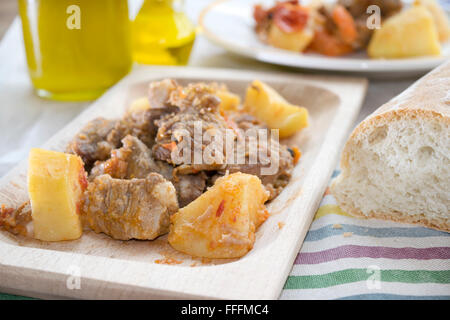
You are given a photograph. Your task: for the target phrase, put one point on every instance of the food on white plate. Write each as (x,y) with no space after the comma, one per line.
(341,27)
(221,223)
(270,107)
(56,182)
(439,16)
(294,41)
(126,177)
(287,25)
(396,163)
(412,33)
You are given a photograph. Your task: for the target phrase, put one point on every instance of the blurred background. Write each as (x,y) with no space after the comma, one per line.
(8,10)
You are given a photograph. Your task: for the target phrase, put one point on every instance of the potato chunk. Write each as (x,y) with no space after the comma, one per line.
(411,33)
(293,41)
(439,16)
(221,223)
(228,101)
(269,106)
(139,104)
(56,182)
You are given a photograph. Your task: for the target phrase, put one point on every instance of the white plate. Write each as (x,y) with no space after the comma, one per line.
(229,24)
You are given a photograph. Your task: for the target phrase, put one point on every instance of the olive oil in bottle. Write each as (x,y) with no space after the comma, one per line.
(75,49)
(162,33)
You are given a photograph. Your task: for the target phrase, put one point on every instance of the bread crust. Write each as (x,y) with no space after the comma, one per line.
(430,93)
(417,219)
(428,98)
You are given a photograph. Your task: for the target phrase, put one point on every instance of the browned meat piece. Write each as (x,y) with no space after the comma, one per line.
(246,121)
(96,140)
(159,93)
(130,209)
(189,187)
(134,160)
(358,8)
(364,33)
(141,123)
(200,96)
(197,104)
(17,221)
(180,128)
(274,180)
(91,143)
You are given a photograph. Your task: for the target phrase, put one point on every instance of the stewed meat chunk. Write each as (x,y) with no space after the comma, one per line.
(134,160)
(130,209)
(92,142)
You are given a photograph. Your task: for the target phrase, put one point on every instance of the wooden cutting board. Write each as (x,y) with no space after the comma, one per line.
(98,267)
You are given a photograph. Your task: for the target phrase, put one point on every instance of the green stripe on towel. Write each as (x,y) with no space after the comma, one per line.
(355,275)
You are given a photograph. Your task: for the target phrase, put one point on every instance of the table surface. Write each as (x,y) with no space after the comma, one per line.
(8,11)
(27,121)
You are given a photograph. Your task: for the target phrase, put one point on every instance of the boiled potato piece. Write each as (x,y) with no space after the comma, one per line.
(267,105)
(439,16)
(410,33)
(294,41)
(228,101)
(56,182)
(221,223)
(140,104)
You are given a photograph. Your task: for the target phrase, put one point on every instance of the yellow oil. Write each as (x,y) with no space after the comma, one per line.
(162,34)
(76,54)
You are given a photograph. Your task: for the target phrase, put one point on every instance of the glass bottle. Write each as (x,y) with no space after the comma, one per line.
(75,49)
(162,33)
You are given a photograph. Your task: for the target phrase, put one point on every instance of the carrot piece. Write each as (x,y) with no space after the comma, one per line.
(329,45)
(170,146)
(297,154)
(345,23)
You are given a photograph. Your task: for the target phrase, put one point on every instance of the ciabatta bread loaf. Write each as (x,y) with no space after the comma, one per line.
(396,163)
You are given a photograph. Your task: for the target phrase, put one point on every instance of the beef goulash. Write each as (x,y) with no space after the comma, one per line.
(120,176)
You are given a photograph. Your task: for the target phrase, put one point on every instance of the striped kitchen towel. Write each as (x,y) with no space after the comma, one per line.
(349,258)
